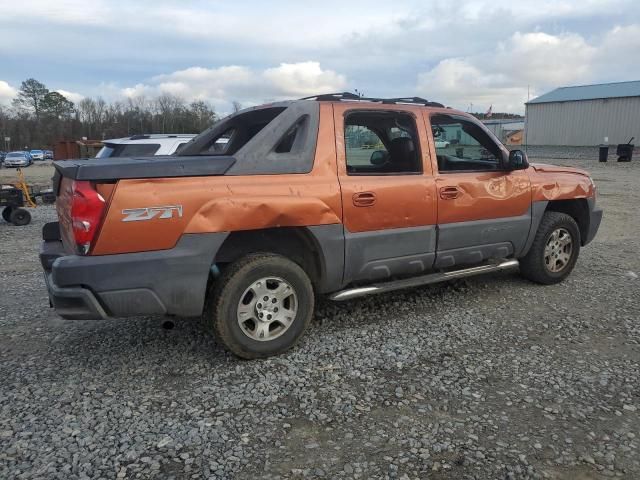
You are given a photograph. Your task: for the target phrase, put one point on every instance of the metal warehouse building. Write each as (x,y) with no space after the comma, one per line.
(584,115)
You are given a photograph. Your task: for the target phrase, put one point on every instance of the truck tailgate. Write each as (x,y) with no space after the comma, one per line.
(169,166)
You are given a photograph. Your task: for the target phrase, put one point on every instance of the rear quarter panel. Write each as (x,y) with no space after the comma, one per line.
(226,203)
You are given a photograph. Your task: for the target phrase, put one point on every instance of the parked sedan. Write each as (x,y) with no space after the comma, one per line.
(37,154)
(17,159)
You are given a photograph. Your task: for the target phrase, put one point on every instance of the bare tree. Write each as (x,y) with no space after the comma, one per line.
(58,118)
(169,107)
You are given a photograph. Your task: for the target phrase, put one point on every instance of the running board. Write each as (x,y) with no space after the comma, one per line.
(350,293)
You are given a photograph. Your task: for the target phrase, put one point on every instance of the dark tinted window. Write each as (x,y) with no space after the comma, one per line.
(293,139)
(128,150)
(462,145)
(381,143)
(239,130)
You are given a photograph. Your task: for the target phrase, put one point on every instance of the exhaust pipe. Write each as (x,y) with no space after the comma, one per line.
(437,277)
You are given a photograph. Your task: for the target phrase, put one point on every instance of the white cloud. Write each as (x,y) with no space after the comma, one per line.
(223,84)
(73,96)
(305,78)
(619,52)
(502,77)
(540,58)
(7,93)
(481,51)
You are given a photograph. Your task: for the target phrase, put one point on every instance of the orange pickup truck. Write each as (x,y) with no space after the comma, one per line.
(277,204)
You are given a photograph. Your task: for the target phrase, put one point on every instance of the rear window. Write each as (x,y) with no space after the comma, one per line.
(128,150)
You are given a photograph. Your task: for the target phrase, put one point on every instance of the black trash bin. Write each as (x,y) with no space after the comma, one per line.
(604,153)
(625,151)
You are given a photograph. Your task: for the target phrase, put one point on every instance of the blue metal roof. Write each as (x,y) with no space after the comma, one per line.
(590,92)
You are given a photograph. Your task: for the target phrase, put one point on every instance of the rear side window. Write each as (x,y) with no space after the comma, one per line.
(128,150)
(241,128)
(381,143)
(293,140)
(221,144)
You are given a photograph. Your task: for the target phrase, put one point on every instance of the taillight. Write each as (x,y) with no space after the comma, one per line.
(87,209)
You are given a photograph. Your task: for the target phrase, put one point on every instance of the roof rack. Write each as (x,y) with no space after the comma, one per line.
(352,97)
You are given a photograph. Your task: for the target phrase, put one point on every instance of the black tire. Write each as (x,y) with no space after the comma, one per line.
(20,217)
(533,265)
(225,295)
(6,213)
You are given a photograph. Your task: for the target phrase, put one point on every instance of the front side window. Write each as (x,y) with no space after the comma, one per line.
(381,143)
(462,145)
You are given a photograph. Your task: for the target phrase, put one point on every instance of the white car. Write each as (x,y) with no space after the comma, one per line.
(37,154)
(17,159)
(143,145)
(442,144)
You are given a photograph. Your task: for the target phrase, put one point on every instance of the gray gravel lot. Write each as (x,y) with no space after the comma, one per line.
(491,377)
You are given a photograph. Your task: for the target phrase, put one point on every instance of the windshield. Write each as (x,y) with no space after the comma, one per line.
(15,155)
(36,151)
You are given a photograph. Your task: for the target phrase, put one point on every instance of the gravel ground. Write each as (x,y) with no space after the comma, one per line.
(491,377)
(38,174)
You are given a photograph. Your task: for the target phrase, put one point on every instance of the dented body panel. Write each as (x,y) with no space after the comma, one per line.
(549,182)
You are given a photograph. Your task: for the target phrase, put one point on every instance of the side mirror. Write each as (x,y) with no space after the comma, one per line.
(379,157)
(517,160)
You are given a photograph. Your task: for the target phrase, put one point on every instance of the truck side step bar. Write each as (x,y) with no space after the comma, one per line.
(384,287)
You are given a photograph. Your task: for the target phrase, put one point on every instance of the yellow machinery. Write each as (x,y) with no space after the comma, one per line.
(15,196)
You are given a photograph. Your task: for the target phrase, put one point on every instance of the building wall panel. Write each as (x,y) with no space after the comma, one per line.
(583,123)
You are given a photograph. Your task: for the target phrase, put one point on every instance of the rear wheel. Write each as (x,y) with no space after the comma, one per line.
(260,306)
(554,251)
(20,217)
(6,214)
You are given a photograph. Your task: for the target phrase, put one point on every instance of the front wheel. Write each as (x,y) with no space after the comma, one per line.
(554,251)
(260,306)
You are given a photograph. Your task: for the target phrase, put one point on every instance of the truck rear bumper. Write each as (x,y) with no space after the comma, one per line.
(170,281)
(74,303)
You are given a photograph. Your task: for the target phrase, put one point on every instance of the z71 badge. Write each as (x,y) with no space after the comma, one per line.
(148,213)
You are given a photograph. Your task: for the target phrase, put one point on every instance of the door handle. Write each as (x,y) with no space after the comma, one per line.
(449,193)
(364,199)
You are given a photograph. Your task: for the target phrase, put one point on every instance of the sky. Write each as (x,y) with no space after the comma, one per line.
(465,52)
